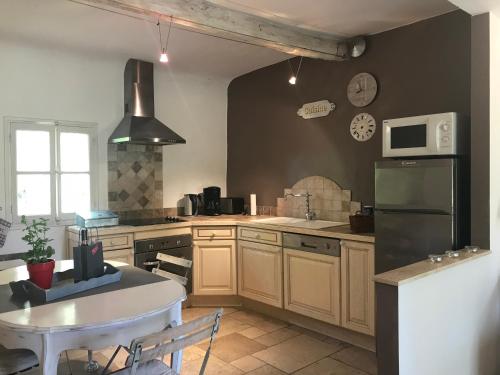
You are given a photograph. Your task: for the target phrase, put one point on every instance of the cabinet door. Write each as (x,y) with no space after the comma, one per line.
(260,272)
(214,267)
(312,285)
(358,288)
(124,255)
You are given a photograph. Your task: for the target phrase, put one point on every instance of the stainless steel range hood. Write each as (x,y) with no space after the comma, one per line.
(139,125)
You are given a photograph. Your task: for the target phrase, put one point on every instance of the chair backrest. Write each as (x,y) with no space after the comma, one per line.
(165,258)
(10,260)
(173,339)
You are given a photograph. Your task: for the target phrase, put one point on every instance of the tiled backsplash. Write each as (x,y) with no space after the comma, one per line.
(328,201)
(135,179)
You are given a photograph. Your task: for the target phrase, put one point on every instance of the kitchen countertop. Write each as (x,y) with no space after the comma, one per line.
(425,268)
(341,232)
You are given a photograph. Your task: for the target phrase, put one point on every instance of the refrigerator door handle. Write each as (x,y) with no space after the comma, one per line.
(413,211)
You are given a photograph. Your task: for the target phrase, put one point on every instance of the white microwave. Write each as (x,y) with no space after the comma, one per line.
(435,134)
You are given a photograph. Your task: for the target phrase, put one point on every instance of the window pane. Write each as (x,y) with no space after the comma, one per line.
(33,194)
(32,151)
(75,193)
(74,152)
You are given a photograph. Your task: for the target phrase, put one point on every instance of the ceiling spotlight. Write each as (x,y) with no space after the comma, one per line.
(163,54)
(164,57)
(293,78)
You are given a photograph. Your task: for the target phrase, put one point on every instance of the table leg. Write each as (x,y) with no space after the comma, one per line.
(49,358)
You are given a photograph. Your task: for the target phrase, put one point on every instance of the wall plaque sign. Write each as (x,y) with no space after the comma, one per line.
(316,109)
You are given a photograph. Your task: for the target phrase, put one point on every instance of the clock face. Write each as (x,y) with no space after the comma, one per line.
(363,127)
(362,89)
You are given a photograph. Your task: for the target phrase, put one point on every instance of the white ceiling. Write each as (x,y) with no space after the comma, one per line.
(64,24)
(343,17)
(475,7)
(67,25)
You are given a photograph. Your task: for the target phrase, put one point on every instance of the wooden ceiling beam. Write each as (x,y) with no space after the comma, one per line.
(208,18)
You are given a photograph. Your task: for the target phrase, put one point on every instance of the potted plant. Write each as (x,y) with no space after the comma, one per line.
(38,259)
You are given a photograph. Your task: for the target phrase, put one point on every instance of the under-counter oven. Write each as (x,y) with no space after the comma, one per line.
(180,246)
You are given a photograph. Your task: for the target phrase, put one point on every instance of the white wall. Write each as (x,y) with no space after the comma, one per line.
(495,160)
(47,82)
(495,131)
(449,322)
(196,108)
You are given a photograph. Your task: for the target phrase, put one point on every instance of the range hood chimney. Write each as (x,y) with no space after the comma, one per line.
(139,125)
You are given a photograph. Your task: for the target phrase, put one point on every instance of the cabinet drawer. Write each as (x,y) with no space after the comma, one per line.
(117,242)
(212,233)
(259,235)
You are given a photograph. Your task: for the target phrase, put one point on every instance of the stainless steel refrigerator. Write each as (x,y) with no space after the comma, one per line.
(421,208)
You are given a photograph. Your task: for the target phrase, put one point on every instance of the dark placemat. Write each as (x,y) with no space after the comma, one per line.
(131,277)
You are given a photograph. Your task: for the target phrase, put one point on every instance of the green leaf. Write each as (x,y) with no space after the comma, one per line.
(35,236)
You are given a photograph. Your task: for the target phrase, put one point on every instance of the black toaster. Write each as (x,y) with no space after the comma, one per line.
(232,206)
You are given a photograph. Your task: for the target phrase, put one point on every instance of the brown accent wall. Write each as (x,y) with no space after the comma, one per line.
(421,68)
(480,131)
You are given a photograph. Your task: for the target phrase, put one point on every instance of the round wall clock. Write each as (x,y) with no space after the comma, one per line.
(363,127)
(362,89)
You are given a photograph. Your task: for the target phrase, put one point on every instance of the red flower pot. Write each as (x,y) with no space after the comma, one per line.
(41,273)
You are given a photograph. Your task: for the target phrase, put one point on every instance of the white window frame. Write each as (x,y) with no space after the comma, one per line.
(55,127)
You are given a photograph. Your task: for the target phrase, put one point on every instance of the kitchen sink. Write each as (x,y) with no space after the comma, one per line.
(280,220)
(300,223)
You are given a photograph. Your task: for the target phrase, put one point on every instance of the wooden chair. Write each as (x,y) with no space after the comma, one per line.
(146,353)
(13,361)
(10,260)
(169,259)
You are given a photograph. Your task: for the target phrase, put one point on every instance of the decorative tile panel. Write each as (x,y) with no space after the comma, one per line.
(134,177)
(328,201)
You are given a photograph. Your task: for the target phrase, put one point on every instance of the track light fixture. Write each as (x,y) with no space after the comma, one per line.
(293,78)
(163,53)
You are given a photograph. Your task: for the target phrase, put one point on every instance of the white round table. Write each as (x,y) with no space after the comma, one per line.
(92,322)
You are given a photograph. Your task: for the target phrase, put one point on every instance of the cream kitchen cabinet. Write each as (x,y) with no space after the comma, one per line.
(270,237)
(124,255)
(117,246)
(260,272)
(214,233)
(358,288)
(214,267)
(312,284)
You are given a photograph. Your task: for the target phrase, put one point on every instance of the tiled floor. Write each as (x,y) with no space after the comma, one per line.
(251,343)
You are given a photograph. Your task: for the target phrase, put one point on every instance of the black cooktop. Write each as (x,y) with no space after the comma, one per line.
(151,221)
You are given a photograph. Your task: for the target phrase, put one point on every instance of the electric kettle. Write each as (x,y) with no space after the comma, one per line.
(190,204)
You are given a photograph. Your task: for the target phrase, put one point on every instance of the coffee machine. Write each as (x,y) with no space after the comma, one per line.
(211,201)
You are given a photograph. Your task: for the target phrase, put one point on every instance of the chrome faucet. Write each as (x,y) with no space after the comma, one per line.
(309,213)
